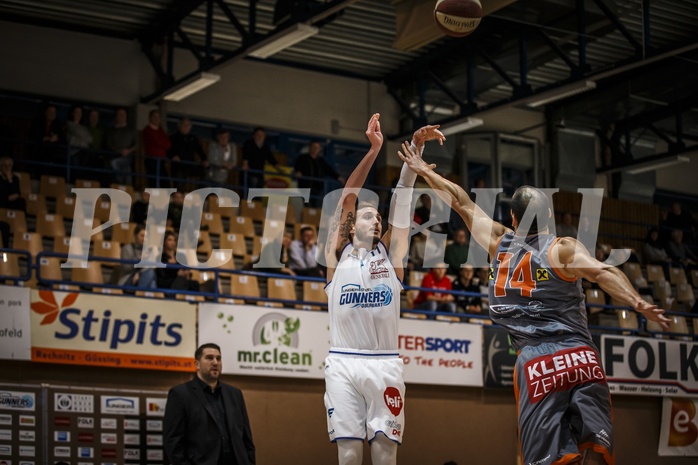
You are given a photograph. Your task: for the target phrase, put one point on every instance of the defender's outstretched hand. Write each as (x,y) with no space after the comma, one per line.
(413,160)
(653,313)
(427,133)
(373,131)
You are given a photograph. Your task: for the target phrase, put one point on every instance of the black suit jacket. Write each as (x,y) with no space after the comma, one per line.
(191,434)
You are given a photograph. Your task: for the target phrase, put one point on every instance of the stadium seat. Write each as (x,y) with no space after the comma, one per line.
(213,223)
(685,295)
(679,325)
(595,296)
(634,273)
(87,183)
(92,274)
(123,233)
(36,204)
(50,225)
(224,212)
(31,242)
(281,288)
(311,215)
(65,206)
(448,318)
(627,319)
(150,294)
(254,210)
(242,225)
(245,286)
(655,273)
(123,187)
(102,209)
(677,276)
(662,290)
(313,292)
(297,229)
(413,316)
(52,186)
(106,249)
(15,218)
(9,267)
(414,280)
(235,242)
(50,269)
(25,186)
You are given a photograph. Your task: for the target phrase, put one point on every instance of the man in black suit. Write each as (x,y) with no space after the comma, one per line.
(206,421)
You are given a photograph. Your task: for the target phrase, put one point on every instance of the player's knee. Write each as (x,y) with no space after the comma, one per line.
(350,452)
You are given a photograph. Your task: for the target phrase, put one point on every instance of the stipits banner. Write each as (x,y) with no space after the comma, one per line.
(15,330)
(679,433)
(650,367)
(292,343)
(125,332)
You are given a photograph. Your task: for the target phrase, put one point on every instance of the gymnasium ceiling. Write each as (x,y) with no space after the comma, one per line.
(641,55)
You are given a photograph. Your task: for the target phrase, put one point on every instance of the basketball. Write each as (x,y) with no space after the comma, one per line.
(458,18)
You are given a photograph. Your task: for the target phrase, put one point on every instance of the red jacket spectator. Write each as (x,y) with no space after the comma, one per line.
(435,279)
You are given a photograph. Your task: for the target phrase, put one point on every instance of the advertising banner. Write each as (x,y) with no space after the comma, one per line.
(113,331)
(679,433)
(15,328)
(650,367)
(265,341)
(436,352)
(499,358)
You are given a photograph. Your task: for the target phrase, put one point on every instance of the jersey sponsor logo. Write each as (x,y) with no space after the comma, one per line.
(357,297)
(393,400)
(561,371)
(542,274)
(531,310)
(378,270)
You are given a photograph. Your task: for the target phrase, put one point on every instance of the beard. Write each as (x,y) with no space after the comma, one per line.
(368,238)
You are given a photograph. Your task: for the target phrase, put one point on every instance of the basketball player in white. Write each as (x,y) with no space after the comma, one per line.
(365,390)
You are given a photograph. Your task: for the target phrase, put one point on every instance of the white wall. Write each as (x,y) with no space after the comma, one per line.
(71,65)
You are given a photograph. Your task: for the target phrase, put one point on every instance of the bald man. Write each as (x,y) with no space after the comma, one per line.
(535,293)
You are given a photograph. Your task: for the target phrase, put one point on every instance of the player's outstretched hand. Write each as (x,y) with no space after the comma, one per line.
(413,160)
(373,131)
(427,133)
(653,313)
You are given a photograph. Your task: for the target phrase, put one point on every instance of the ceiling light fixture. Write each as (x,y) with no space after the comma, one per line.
(192,86)
(460,126)
(658,164)
(282,40)
(561,93)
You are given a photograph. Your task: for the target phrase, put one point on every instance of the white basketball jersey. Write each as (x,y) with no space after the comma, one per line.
(364,301)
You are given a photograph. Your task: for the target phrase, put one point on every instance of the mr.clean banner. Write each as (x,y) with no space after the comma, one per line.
(126,332)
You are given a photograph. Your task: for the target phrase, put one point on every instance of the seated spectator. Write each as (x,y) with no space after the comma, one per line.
(284,257)
(679,252)
(126,274)
(654,252)
(47,132)
(10,194)
(436,301)
(415,259)
(156,143)
(255,154)
(139,210)
(188,158)
(174,278)
(566,228)
(121,140)
(96,130)
(302,254)
(95,159)
(467,282)
(457,252)
(221,158)
(312,165)
(78,138)
(678,218)
(174,211)
(423,212)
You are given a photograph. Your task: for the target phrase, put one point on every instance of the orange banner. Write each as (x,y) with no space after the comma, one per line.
(105,359)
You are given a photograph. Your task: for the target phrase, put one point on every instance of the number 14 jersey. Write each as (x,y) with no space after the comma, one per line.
(529,297)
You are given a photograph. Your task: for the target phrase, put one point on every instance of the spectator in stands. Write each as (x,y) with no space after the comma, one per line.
(95,159)
(302,254)
(255,153)
(188,158)
(679,252)
(156,143)
(47,132)
(121,140)
(96,130)
(174,211)
(174,278)
(10,193)
(312,165)
(678,218)
(415,259)
(566,228)
(423,212)
(126,274)
(78,138)
(222,158)
(457,252)
(466,282)
(139,210)
(436,301)
(284,258)
(654,252)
